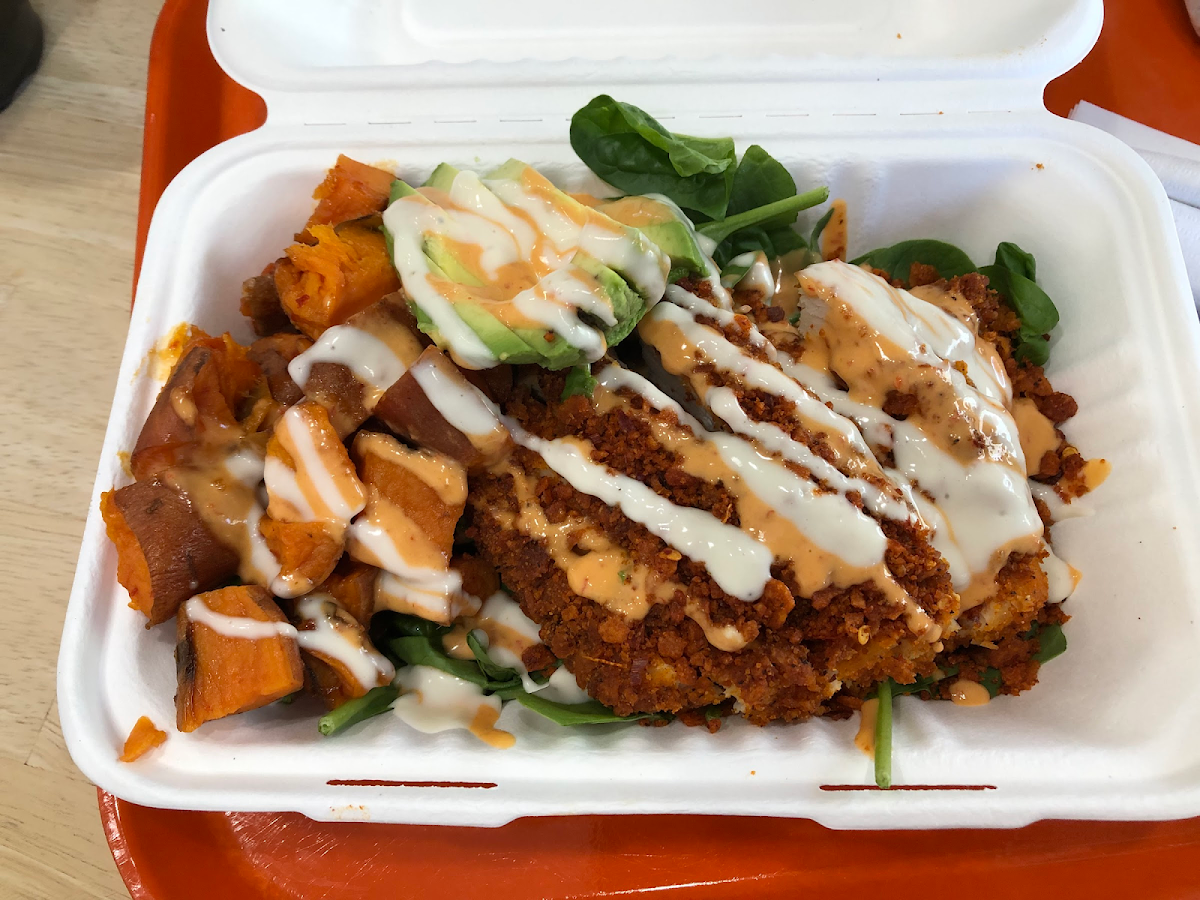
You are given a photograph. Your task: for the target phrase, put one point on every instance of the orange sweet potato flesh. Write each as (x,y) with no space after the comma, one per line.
(418,500)
(197,405)
(220,675)
(165,552)
(331,679)
(307,551)
(352,585)
(323,285)
(350,190)
(143,738)
(405,409)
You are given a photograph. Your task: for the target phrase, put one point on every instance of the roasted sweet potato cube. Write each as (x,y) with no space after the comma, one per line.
(165,552)
(198,403)
(455,421)
(415,496)
(307,553)
(352,585)
(343,662)
(143,737)
(260,304)
(344,397)
(273,353)
(324,284)
(222,674)
(335,385)
(309,475)
(350,190)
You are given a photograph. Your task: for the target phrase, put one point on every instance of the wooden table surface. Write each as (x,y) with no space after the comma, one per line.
(70,154)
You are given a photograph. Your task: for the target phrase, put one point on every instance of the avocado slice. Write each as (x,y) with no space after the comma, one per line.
(530,344)
(664,225)
(442,177)
(636,268)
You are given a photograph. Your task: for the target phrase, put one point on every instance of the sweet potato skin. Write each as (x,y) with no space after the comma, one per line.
(330,678)
(334,387)
(198,403)
(406,410)
(143,738)
(272,354)
(260,304)
(324,284)
(165,552)
(351,190)
(219,676)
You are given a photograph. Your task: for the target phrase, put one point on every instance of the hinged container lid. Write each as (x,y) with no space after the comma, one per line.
(397,61)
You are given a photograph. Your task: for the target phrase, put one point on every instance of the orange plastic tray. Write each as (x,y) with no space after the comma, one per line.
(1146,66)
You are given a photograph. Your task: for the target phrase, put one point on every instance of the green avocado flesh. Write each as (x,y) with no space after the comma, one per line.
(659,222)
(537,343)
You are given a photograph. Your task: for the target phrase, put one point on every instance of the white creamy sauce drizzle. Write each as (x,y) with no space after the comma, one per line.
(757,277)
(283,482)
(1063,578)
(245,465)
(408,220)
(827,520)
(622,249)
(980,507)
(368,667)
(555,302)
(739,564)
(364,664)
(438,599)
(370,359)
(726,355)
(563,688)
(504,611)
(461,404)
(724,404)
(265,567)
(433,701)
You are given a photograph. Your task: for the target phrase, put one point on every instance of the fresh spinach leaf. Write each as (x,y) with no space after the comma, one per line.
(1033,349)
(1036,311)
(420,651)
(883,735)
(1013,258)
(766,216)
(1051,640)
(814,240)
(761,179)
(590,713)
(373,703)
(991,680)
(579,381)
(897,259)
(630,150)
(492,669)
(925,683)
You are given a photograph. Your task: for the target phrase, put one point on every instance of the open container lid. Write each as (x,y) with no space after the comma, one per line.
(458,61)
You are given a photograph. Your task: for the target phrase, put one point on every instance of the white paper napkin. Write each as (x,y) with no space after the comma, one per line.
(1177,164)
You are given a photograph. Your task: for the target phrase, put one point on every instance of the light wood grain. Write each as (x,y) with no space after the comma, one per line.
(70,152)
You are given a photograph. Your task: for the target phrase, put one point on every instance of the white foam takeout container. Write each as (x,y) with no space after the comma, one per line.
(927,117)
